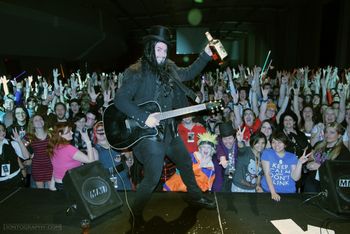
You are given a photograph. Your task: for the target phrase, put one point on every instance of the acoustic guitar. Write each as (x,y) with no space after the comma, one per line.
(122,132)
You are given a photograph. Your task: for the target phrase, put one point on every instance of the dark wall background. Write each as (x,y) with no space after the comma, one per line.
(76,34)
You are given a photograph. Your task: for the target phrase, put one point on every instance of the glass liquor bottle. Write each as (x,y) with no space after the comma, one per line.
(219,52)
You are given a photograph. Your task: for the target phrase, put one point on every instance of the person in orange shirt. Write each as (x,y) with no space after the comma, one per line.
(202,165)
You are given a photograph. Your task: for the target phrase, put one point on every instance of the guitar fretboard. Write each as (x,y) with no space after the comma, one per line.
(182,111)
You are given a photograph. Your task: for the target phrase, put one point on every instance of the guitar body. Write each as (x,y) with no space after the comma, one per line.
(121,131)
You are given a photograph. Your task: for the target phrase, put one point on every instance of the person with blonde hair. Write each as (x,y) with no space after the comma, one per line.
(202,165)
(331,148)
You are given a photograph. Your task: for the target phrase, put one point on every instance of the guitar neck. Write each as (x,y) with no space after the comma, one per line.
(182,111)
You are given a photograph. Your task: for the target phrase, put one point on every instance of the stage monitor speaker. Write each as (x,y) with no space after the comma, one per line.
(90,189)
(335,181)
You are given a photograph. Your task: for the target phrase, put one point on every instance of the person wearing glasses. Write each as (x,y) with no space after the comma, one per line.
(113,161)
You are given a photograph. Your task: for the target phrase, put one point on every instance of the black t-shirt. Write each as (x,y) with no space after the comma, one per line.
(9,156)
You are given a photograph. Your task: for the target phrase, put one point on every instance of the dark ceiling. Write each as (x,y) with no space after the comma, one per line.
(101,30)
(224,17)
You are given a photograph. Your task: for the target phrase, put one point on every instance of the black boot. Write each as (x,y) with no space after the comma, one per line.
(137,223)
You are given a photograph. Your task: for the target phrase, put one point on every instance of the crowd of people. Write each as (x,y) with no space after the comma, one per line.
(272,133)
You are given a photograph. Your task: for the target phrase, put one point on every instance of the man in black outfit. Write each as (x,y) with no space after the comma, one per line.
(156,78)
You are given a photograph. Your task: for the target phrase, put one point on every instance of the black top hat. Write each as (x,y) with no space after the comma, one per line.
(226,129)
(159,33)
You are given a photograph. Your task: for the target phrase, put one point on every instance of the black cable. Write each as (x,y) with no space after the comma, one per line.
(124,188)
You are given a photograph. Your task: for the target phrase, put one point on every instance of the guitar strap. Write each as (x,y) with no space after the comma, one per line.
(188,92)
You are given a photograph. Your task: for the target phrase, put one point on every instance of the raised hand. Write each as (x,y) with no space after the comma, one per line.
(55,77)
(235,96)
(240,134)
(241,68)
(15,136)
(248,71)
(223,162)
(107,96)
(85,137)
(235,75)
(55,73)
(305,157)
(4,80)
(278,74)
(91,92)
(257,70)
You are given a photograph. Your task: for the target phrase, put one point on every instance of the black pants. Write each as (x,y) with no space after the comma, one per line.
(310,184)
(12,183)
(151,153)
(226,187)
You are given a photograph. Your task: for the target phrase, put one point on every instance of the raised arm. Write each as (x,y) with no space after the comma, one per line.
(263,105)
(341,113)
(4,82)
(16,137)
(283,88)
(284,105)
(238,119)
(80,156)
(296,169)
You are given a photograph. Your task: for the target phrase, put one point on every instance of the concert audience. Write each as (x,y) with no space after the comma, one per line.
(303,102)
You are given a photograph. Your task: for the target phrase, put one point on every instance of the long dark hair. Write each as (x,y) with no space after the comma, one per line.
(25,111)
(162,71)
(149,56)
(255,137)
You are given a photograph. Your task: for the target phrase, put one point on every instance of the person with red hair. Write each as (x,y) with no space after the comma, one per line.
(65,156)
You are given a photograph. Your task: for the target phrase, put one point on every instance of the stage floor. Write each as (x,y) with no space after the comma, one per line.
(42,211)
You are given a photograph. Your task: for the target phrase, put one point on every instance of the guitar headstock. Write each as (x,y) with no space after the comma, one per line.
(215,106)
